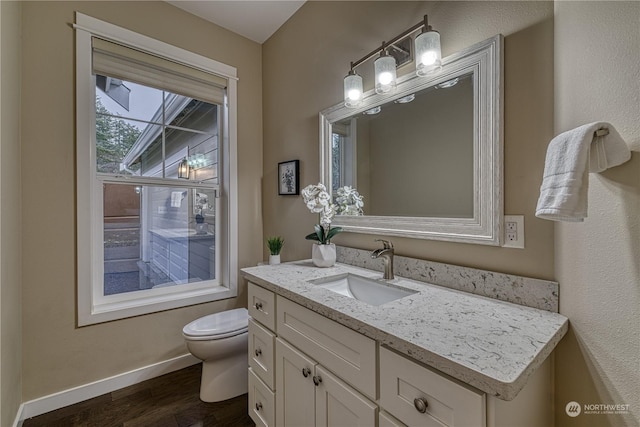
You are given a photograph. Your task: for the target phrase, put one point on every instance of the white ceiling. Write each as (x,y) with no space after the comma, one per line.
(255,20)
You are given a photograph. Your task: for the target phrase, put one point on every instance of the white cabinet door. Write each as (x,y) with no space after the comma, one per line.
(295,396)
(338,405)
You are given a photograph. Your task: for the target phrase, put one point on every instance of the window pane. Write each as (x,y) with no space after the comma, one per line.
(336,154)
(192,114)
(200,150)
(157,236)
(115,139)
(125,145)
(128,100)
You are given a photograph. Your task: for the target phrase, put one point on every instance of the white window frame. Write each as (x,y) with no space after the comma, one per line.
(93,306)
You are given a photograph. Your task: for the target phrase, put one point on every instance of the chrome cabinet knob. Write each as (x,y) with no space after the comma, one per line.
(306,372)
(258,352)
(317,379)
(420,404)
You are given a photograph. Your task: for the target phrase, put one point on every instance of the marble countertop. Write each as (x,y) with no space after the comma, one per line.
(180,233)
(492,345)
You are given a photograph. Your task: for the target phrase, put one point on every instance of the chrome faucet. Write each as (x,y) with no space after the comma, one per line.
(386,253)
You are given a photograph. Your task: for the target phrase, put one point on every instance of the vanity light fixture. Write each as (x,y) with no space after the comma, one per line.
(197,161)
(183,169)
(428,53)
(385,71)
(353,90)
(428,60)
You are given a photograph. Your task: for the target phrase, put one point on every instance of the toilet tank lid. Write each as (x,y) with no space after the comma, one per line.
(218,323)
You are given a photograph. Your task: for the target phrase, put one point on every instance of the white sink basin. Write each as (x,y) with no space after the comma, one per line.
(363,289)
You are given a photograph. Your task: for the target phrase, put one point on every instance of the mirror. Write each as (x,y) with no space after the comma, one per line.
(427,159)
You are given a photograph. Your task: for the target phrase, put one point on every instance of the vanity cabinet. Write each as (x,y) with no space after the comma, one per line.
(307,392)
(182,257)
(308,370)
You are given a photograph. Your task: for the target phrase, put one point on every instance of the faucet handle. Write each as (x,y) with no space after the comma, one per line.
(386,243)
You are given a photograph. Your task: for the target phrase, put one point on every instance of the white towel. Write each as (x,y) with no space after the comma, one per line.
(176,199)
(570,156)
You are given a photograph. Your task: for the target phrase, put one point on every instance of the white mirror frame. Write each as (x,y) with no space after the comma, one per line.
(484,60)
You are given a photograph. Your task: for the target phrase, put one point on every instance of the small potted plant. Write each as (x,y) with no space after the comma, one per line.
(201,226)
(275,246)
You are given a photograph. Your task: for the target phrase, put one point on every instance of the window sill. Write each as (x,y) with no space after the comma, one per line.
(115,307)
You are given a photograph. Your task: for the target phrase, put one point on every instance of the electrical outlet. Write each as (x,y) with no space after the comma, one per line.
(513,231)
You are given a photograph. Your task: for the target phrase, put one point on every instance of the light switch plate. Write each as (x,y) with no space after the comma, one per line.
(513,231)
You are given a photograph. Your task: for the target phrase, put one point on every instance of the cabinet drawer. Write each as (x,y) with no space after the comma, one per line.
(262,306)
(261,353)
(261,402)
(347,353)
(447,402)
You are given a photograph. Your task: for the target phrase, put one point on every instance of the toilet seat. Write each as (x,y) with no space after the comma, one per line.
(217,326)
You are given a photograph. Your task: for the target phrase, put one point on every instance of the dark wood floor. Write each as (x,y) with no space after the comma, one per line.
(171,400)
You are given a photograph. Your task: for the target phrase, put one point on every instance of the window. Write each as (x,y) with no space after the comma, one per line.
(156,163)
(343,154)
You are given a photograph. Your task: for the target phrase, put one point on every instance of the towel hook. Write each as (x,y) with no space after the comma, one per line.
(601,132)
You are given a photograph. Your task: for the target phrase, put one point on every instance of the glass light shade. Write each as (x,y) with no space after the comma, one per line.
(353,90)
(385,70)
(428,53)
(183,169)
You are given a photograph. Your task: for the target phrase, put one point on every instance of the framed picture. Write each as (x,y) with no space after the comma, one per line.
(289,178)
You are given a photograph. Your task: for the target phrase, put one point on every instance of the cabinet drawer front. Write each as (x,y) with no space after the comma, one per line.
(447,402)
(262,306)
(261,402)
(261,353)
(347,353)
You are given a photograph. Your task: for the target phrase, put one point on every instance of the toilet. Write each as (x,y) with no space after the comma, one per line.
(220,340)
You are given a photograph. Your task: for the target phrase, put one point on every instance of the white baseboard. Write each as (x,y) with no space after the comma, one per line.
(78,394)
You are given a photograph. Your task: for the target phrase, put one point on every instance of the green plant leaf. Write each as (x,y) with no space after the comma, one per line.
(312,236)
(332,232)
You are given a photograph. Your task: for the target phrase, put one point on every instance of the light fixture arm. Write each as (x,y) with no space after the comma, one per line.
(394,40)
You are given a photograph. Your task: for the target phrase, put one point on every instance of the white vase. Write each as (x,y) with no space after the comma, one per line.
(202,228)
(323,255)
(274,259)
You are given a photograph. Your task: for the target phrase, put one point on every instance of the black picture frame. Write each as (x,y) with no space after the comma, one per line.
(289,178)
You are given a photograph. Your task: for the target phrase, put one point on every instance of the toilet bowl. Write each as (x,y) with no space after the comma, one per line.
(220,340)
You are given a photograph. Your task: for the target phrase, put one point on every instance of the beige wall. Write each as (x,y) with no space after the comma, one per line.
(306,60)
(597,77)
(56,354)
(10,222)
